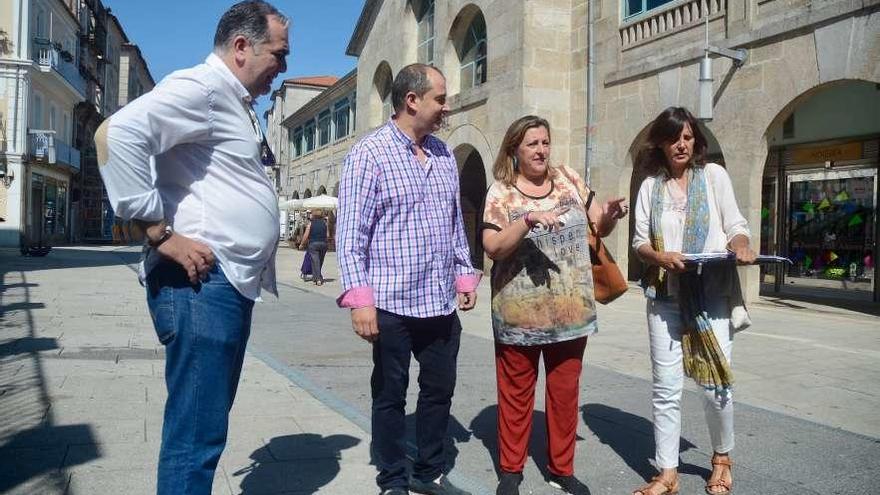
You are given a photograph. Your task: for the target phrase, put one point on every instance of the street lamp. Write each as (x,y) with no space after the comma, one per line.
(707,95)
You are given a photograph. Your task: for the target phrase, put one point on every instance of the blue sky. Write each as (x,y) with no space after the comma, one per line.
(174,34)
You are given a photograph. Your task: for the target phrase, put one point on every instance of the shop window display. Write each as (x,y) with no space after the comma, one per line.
(831,226)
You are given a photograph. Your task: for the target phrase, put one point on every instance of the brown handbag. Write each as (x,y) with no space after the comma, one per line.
(608,281)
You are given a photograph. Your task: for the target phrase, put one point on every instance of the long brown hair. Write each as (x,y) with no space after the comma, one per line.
(665,129)
(503,170)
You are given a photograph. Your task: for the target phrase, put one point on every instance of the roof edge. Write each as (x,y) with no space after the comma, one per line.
(363,27)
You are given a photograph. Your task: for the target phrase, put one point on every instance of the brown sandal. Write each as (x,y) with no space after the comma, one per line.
(720,482)
(671,487)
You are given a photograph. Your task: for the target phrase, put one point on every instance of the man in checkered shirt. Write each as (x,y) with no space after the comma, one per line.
(405,266)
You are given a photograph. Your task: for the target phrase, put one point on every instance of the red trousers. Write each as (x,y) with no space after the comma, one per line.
(516,370)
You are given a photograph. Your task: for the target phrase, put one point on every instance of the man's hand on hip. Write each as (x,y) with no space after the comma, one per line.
(196,258)
(467,300)
(363,321)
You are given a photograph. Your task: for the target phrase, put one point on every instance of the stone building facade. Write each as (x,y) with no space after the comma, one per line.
(807,91)
(796,125)
(287,100)
(60,71)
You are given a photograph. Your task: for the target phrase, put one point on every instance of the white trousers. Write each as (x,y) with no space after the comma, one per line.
(665,327)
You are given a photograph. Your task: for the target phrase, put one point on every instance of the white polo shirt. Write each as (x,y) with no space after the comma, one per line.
(189,151)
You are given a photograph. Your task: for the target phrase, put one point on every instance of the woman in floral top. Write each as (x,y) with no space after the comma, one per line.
(535,229)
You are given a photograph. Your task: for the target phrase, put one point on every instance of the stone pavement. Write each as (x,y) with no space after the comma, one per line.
(81,387)
(815,362)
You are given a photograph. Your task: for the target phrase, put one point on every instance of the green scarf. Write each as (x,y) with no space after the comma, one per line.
(702,356)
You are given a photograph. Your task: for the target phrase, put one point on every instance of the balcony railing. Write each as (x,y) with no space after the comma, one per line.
(48,56)
(44,147)
(665,21)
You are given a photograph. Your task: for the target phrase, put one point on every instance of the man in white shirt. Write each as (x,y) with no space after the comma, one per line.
(186,161)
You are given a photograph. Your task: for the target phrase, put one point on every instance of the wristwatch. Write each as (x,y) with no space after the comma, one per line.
(167,231)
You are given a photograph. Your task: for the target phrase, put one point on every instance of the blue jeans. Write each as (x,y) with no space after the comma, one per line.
(434,342)
(204,329)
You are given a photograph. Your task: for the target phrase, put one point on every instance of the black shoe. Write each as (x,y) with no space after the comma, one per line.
(440,486)
(568,484)
(394,491)
(508,483)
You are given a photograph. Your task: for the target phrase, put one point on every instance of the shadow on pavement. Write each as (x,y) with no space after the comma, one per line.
(456,433)
(796,297)
(631,438)
(34,450)
(307,461)
(485,428)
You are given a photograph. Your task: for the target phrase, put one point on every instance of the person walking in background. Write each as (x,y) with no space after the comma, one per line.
(315,239)
(403,256)
(688,206)
(535,229)
(211,221)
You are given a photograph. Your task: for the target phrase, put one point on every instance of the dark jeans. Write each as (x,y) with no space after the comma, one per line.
(434,342)
(204,329)
(317,251)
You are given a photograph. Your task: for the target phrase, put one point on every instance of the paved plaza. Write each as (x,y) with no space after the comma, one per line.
(81,393)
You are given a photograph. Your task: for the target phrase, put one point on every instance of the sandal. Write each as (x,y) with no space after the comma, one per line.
(671,487)
(727,486)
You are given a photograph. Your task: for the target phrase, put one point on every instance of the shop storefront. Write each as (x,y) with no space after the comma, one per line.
(47,219)
(820,210)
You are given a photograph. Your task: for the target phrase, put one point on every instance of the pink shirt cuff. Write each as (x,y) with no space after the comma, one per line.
(467,283)
(356,297)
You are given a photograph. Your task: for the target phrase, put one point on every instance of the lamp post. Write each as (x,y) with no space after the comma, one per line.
(707,94)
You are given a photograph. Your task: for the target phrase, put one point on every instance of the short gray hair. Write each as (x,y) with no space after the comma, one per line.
(411,79)
(248,19)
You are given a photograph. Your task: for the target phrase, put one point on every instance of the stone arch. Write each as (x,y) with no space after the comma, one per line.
(471,135)
(307,194)
(472,196)
(467,44)
(295,195)
(380,98)
(635,159)
(817,202)
(321,190)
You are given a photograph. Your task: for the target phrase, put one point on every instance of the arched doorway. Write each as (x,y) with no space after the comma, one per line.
(472,185)
(322,190)
(307,194)
(637,154)
(820,194)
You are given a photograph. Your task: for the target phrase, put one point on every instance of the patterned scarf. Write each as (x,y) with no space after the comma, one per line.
(703,359)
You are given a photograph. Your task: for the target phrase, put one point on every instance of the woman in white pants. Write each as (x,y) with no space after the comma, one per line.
(688,206)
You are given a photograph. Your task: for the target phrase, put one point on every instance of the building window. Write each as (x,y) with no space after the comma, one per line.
(424,11)
(340,118)
(37,120)
(53,118)
(636,7)
(309,137)
(296,141)
(324,128)
(474,67)
(66,137)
